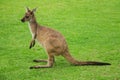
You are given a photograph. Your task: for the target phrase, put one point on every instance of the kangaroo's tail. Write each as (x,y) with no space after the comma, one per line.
(70,59)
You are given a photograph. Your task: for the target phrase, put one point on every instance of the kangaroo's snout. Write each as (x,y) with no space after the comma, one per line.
(22,20)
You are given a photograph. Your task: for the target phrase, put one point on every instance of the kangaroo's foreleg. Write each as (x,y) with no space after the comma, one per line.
(32,43)
(50,63)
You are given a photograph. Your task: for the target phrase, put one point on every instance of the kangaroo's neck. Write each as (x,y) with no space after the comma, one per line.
(33,20)
(33,26)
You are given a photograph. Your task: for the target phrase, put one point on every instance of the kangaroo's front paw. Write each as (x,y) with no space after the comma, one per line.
(32,43)
(30,46)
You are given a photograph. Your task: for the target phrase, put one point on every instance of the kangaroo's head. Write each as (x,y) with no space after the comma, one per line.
(28,15)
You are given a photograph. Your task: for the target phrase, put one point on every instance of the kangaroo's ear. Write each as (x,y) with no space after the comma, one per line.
(34,10)
(27,9)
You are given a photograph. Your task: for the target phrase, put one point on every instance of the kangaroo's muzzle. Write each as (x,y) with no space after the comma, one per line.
(22,20)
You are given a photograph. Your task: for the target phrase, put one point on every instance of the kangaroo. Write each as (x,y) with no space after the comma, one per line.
(53,42)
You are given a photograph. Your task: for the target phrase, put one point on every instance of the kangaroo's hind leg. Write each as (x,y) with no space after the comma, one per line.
(39,60)
(50,63)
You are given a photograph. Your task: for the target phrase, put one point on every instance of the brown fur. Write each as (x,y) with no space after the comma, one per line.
(53,42)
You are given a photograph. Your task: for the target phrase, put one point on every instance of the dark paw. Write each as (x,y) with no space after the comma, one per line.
(35,67)
(31,67)
(30,46)
(32,43)
(35,61)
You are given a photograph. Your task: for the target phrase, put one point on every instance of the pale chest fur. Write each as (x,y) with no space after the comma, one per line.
(32,28)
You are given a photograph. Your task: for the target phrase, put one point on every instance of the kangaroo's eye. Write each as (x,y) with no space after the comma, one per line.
(27,16)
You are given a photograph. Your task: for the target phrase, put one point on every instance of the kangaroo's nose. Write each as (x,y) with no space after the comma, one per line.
(22,20)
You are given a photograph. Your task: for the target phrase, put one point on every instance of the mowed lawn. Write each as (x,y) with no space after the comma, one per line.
(91,28)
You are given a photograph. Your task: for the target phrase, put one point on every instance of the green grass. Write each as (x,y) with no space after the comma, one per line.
(91,28)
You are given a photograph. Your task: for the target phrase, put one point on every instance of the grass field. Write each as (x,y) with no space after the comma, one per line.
(91,28)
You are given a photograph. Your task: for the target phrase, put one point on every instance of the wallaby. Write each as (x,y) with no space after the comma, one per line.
(53,42)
